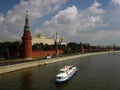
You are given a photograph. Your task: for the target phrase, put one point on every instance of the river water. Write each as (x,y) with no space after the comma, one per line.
(100,72)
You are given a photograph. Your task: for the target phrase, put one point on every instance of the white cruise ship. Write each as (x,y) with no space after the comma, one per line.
(65,73)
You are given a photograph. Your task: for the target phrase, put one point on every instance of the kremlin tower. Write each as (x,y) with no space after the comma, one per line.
(27,40)
(57,42)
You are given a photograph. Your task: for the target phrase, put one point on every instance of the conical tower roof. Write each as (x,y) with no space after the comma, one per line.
(26,27)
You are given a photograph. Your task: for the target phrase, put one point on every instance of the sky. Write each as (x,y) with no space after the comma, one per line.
(88,21)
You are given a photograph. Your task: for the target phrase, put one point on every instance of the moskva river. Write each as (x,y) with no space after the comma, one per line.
(100,72)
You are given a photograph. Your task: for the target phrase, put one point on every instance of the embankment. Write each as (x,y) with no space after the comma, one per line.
(10,68)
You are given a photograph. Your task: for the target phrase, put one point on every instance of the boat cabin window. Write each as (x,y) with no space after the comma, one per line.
(59,77)
(61,71)
(70,67)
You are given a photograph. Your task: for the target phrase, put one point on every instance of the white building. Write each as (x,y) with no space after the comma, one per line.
(40,38)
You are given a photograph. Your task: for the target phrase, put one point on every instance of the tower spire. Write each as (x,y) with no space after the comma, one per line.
(26,27)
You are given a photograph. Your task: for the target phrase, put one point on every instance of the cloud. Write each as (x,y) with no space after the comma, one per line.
(12,24)
(94,9)
(71,22)
(109,31)
(111,16)
(116,1)
(63,19)
(1,18)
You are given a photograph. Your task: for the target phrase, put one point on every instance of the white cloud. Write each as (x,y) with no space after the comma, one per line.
(110,31)
(1,19)
(111,16)
(63,17)
(71,22)
(94,9)
(116,1)
(13,23)
(106,37)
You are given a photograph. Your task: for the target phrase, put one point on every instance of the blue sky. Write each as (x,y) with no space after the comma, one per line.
(5,5)
(87,21)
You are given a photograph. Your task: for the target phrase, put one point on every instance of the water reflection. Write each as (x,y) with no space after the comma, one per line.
(27,80)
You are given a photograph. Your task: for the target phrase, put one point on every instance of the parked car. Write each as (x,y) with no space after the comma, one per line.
(48,56)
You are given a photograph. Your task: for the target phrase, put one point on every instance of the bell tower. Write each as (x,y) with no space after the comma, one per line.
(27,40)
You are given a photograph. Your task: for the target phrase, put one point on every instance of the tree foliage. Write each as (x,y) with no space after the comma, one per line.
(8,48)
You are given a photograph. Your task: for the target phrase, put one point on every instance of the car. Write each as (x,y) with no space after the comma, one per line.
(48,57)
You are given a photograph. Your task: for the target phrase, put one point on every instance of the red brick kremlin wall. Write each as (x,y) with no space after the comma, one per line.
(36,53)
